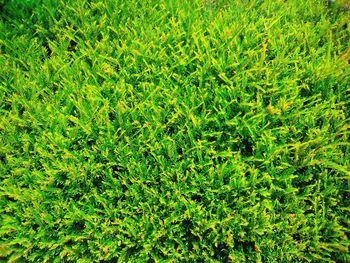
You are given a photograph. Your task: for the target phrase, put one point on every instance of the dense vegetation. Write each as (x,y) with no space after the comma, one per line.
(174,131)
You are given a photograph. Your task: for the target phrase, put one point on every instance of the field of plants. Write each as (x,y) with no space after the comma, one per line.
(174,131)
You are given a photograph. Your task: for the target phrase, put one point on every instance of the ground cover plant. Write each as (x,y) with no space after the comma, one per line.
(166,131)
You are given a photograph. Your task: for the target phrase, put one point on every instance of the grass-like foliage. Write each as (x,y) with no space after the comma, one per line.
(174,131)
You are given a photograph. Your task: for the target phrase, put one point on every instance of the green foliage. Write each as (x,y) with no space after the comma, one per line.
(174,131)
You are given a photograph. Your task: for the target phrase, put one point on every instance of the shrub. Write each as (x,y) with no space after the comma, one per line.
(174,131)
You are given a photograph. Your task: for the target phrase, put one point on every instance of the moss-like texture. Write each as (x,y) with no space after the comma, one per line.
(168,131)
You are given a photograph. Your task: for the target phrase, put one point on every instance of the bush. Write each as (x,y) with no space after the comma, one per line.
(174,131)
